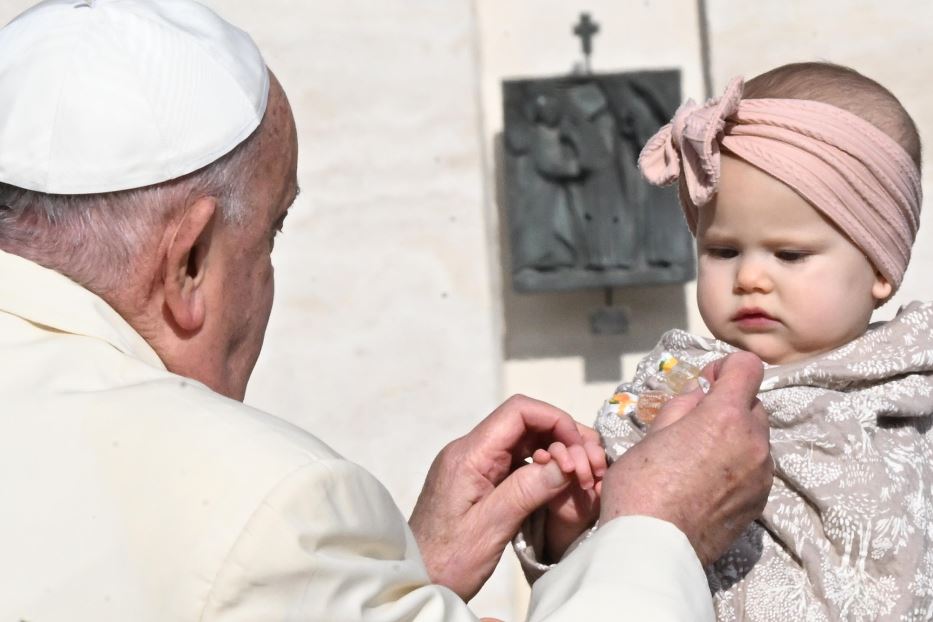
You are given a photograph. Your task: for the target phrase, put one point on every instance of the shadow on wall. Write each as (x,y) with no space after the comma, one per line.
(557,325)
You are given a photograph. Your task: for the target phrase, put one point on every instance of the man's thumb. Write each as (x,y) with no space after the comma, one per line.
(676,409)
(521,493)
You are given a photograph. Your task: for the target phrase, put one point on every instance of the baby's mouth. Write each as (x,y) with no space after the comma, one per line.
(753,317)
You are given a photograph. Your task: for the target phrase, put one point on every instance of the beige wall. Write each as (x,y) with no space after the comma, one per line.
(382,340)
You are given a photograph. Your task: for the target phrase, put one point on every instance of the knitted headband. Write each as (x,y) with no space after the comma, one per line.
(849,170)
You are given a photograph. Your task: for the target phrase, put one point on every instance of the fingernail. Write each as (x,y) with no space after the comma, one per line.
(554,477)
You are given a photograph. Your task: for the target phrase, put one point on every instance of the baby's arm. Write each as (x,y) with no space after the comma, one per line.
(576,509)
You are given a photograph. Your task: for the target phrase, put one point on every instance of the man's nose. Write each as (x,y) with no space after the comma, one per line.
(752,276)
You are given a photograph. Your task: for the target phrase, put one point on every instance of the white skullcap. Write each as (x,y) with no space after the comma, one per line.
(105,95)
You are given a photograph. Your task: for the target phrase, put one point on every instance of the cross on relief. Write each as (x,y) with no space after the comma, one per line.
(586,29)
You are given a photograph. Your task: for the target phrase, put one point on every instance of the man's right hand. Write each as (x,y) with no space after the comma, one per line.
(706,467)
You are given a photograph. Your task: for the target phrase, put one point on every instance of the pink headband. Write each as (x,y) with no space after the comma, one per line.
(848,169)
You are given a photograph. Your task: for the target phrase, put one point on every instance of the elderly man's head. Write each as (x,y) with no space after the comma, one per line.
(185,261)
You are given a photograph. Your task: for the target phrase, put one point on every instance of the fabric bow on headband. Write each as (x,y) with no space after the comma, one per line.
(689,146)
(848,169)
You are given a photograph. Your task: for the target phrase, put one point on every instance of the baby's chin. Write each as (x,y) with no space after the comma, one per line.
(772,350)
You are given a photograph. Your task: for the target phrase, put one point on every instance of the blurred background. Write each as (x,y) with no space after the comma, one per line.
(395,327)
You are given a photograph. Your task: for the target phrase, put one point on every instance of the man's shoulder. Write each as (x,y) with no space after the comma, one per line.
(153,427)
(140,465)
(192,417)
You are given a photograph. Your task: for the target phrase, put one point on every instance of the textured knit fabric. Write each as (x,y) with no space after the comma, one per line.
(848,169)
(847,533)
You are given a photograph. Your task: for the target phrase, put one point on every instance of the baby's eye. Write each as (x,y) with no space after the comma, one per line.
(791,256)
(721,252)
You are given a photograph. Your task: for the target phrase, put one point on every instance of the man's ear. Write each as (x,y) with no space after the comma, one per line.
(881,289)
(185,257)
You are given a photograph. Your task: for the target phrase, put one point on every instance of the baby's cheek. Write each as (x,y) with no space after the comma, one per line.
(839,298)
(714,308)
(825,325)
(704,293)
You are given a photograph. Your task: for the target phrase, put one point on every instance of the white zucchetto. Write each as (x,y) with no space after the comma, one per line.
(106,95)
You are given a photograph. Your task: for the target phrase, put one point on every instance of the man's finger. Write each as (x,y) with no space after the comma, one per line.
(677,408)
(588,433)
(736,379)
(534,416)
(760,415)
(520,494)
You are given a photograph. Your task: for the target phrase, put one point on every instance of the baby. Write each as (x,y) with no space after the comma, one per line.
(802,188)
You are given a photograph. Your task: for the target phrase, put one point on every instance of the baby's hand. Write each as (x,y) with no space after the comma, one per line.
(574,510)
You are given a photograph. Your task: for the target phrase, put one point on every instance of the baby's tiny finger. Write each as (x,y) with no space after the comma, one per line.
(559,452)
(582,466)
(597,458)
(541,456)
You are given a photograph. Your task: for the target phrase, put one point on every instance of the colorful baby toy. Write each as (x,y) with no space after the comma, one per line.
(675,377)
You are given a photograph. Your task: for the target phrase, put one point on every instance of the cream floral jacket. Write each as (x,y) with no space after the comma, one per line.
(847,531)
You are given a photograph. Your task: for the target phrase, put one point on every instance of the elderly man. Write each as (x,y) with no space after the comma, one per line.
(147,160)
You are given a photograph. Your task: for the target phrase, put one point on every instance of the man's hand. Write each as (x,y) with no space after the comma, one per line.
(705,465)
(479,490)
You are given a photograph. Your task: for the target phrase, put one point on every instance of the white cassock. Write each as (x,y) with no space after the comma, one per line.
(132,494)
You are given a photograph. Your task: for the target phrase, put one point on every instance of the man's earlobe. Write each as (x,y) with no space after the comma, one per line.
(185,264)
(882,289)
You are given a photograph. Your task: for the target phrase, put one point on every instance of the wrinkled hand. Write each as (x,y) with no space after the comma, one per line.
(705,465)
(479,491)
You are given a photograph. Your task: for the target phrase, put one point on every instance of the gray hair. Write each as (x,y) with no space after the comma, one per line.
(97,239)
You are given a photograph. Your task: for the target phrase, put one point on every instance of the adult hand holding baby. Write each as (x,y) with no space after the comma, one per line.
(705,465)
(479,489)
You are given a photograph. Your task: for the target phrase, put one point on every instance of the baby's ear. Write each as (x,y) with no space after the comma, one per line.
(881,289)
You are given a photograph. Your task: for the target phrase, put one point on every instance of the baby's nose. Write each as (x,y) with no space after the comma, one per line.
(752,276)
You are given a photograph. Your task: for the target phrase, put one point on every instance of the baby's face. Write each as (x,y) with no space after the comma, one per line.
(775,277)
